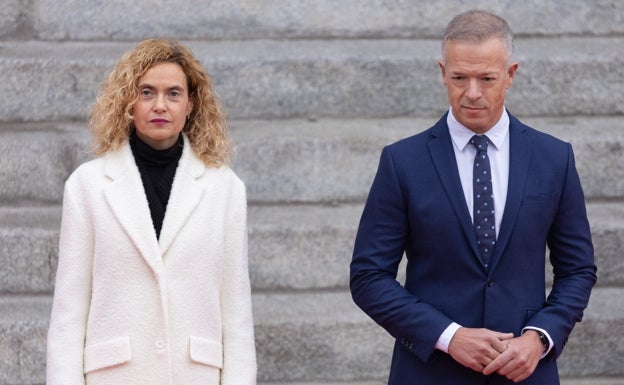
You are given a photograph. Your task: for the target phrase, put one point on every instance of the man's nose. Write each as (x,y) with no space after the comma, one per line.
(474,90)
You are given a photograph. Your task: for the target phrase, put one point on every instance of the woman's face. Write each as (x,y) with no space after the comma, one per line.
(163,105)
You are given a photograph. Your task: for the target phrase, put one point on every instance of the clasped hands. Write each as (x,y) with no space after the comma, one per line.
(487,351)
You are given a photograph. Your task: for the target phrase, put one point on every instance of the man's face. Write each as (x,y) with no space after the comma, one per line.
(476,77)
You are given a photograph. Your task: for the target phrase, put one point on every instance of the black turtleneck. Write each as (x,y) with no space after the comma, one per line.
(157,168)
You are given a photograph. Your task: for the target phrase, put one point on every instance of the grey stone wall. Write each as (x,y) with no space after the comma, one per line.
(313,91)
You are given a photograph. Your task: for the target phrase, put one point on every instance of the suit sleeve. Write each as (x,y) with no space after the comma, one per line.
(379,246)
(66,334)
(572,259)
(239,354)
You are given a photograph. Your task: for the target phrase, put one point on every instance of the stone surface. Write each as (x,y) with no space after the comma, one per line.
(336,160)
(116,19)
(34,165)
(593,381)
(301,247)
(312,78)
(595,346)
(291,247)
(298,161)
(23,331)
(313,91)
(607,224)
(322,338)
(12,17)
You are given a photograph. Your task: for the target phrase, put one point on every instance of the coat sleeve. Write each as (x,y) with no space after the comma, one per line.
(379,246)
(239,354)
(66,334)
(572,259)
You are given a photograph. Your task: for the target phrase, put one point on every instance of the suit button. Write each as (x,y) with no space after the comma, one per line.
(490,283)
(160,344)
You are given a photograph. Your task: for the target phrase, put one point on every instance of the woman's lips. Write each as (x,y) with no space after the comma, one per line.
(159,122)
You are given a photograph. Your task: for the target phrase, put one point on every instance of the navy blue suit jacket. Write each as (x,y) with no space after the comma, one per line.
(416,207)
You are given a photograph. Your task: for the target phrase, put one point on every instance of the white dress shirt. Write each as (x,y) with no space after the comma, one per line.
(498,152)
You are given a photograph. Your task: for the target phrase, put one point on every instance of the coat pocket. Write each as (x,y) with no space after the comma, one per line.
(207,352)
(106,354)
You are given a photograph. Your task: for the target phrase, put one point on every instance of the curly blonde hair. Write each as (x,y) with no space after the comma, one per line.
(111,118)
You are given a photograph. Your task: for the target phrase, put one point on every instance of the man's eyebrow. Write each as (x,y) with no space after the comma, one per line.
(462,72)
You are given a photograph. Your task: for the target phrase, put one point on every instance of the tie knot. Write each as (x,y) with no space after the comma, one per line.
(480,142)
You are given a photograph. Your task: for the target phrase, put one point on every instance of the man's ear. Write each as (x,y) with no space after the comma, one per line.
(442,71)
(511,71)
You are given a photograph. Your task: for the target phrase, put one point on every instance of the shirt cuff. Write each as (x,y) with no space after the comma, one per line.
(550,341)
(446,336)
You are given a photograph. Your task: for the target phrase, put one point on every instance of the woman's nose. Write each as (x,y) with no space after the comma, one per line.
(160,103)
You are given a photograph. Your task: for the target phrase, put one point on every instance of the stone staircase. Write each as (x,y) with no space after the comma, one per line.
(313,91)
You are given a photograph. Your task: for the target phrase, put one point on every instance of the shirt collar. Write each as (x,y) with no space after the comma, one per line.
(461,135)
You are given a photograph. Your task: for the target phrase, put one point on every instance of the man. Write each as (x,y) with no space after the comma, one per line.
(473,307)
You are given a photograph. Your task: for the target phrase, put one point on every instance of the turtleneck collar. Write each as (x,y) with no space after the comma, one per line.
(151,157)
(157,169)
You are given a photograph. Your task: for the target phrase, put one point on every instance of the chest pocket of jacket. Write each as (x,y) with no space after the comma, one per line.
(541,191)
(207,352)
(106,354)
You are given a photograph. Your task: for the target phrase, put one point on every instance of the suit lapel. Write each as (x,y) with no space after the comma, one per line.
(519,159)
(126,197)
(186,194)
(443,157)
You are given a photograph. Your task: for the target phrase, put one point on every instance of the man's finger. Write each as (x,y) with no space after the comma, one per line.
(500,345)
(496,364)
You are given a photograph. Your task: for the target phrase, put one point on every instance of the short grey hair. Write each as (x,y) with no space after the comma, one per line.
(478,26)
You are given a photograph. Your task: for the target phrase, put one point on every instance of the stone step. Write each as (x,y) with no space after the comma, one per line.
(298,247)
(564,381)
(79,20)
(323,338)
(593,381)
(37,159)
(378,382)
(296,161)
(336,160)
(23,332)
(269,79)
(28,249)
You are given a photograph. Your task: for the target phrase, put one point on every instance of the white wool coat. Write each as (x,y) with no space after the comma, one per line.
(130,309)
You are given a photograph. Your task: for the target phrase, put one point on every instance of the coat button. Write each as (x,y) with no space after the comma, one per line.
(490,283)
(160,344)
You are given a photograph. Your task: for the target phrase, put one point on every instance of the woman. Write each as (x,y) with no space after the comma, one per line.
(152,284)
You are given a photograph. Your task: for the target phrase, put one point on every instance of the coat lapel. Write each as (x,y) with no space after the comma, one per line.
(126,197)
(443,157)
(519,159)
(186,194)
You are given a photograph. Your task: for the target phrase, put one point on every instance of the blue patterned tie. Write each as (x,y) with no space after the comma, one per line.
(483,205)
